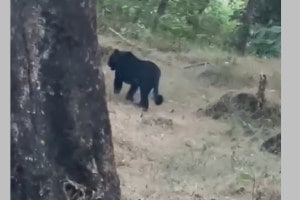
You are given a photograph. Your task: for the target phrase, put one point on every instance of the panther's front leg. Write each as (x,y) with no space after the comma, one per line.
(117,86)
(118,82)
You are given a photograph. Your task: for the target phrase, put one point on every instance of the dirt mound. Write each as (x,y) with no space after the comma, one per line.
(273,145)
(245,106)
(160,121)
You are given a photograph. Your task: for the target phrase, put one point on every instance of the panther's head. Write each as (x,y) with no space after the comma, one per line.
(112,61)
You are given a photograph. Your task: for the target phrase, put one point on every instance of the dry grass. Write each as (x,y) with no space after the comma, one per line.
(179,155)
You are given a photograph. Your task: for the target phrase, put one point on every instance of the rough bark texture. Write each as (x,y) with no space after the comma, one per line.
(61,145)
(160,12)
(244,29)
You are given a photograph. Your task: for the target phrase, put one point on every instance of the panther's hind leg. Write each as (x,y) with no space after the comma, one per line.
(144,103)
(131,92)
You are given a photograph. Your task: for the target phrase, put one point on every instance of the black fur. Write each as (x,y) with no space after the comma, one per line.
(138,73)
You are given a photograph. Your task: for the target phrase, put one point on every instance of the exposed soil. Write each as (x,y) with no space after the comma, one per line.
(174,152)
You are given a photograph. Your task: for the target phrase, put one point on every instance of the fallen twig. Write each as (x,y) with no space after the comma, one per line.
(120,36)
(197,65)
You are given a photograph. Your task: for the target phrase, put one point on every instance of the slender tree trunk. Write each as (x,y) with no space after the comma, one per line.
(61,145)
(160,12)
(205,3)
(244,29)
(193,19)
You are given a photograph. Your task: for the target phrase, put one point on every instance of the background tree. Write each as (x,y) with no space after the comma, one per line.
(61,146)
(160,11)
(265,38)
(251,27)
(244,28)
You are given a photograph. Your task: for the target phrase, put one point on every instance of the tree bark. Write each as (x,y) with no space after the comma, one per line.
(61,145)
(244,29)
(204,4)
(193,17)
(160,12)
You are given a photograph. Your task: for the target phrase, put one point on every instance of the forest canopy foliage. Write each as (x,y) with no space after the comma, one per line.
(242,26)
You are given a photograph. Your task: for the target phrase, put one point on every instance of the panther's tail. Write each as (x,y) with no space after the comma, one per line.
(158,99)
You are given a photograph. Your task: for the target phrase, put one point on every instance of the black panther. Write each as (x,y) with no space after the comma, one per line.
(142,74)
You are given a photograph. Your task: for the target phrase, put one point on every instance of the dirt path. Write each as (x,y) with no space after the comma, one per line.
(170,153)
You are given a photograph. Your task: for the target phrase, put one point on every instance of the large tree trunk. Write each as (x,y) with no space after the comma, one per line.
(244,29)
(61,143)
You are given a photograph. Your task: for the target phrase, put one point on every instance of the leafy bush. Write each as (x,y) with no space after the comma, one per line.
(265,41)
(204,23)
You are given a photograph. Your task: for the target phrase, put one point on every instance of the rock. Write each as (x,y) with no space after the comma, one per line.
(160,121)
(245,107)
(164,122)
(273,145)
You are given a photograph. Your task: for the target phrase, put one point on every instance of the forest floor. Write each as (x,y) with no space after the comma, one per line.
(173,153)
